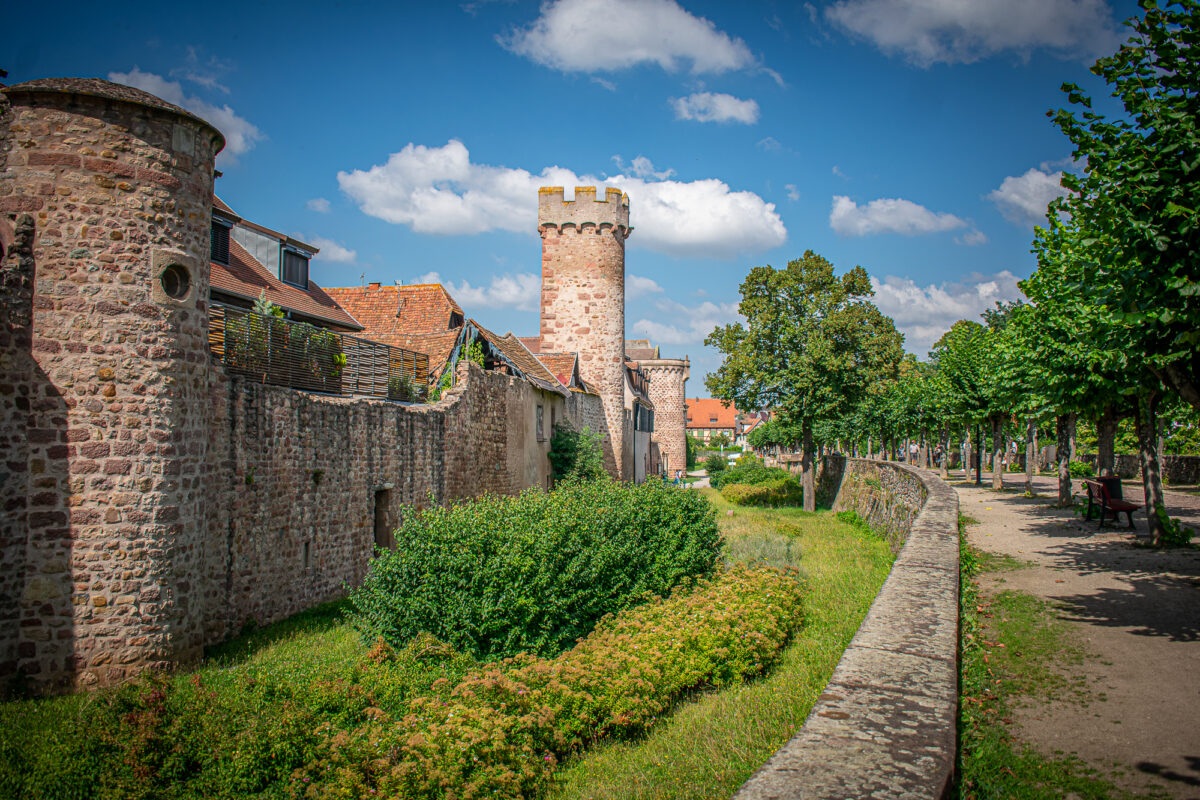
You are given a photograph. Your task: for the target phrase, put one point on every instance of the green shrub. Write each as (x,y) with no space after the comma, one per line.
(749,470)
(783,491)
(713,465)
(501,730)
(693,447)
(1175,533)
(576,454)
(1081,469)
(533,573)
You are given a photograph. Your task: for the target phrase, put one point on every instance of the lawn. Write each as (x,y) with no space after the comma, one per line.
(278,686)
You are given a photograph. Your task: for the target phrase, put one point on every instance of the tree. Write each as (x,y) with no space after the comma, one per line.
(812,344)
(1138,201)
(964,358)
(576,455)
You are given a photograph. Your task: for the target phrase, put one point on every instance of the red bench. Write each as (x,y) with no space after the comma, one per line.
(1105,493)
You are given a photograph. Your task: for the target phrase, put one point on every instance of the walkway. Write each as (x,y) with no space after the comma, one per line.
(1137,610)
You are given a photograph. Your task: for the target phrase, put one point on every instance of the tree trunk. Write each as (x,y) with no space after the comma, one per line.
(967,456)
(1147,430)
(978,451)
(1106,434)
(1030,451)
(945,465)
(1065,427)
(997,452)
(806,463)
(870,441)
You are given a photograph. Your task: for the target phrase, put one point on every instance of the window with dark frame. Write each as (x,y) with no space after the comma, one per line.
(541,436)
(295,269)
(218,248)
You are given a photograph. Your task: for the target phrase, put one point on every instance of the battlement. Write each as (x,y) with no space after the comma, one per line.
(612,210)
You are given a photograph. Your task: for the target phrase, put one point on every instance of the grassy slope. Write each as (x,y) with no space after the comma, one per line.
(711,744)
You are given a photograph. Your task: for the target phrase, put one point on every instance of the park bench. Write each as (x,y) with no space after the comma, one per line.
(1105,493)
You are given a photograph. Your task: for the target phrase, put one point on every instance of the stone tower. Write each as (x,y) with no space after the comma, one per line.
(116,186)
(583,296)
(668,378)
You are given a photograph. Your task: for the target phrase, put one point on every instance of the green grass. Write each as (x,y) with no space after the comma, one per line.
(712,743)
(1015,651)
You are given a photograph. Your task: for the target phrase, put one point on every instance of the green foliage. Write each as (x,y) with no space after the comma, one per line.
(265,307)
(748,470)
(1174,532)
(1081,469)
(1135,206)
(501,730)
(576,455)
(533,573)
(783,491)
(693,447)
(404,388)
(474,352)
(714,465)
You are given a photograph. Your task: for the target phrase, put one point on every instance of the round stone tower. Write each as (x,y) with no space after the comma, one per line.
(583,296)
(668,379)
(108,550)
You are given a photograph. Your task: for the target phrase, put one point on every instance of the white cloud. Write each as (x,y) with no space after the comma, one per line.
(642,167)
(838,171)
(963,31)
(637,286)
(240,135)
(971,238)
(711,107)
(792,191)
(605,35)
(694,322)
(924,313)
(1023,199)
(522,291)
(601,82)
(888,215)
(331,250)
(438,190)
(770,144)
(318,204)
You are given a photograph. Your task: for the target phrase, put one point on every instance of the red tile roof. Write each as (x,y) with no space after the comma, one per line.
(565,366)
(245,276)
(702,410)
(418,309)
(532,343)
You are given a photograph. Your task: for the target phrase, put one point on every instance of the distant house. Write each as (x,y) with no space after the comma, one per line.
(708,417)
(249,261)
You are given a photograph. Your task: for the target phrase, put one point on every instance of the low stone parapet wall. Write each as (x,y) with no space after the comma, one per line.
(885,726)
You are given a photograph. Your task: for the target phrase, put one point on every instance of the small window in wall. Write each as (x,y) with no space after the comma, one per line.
(218,247)
(295,269)
(307,555)
(384,538)
(541,432)
(712,419)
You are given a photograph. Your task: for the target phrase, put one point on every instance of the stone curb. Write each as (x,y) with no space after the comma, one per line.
(885,726)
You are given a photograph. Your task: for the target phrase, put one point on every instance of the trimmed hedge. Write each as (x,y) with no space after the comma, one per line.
(500,731)
(777,492)
(748,470)
(534,573)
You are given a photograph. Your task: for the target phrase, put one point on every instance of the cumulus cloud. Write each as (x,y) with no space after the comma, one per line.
(331,250)
(963,31)
(240,134)
(642,167)
(606,35)
(924,313)
(1023,198)
(888,215)
(438,190)
(318,204)
(522,291)
(711,107)
(637,286)
(971,238)
(693,323)
(793,191)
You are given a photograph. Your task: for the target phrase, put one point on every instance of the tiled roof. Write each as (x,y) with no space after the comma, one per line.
(563,365)
(701,411)
(532,343)
(244,276)
(221,205)
(640,349)
(399,310)
(438,346)
(519,356)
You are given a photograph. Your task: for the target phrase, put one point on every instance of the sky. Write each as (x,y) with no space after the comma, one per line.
(408,142)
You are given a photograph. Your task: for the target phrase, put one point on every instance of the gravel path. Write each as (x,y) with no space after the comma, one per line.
(1137,610)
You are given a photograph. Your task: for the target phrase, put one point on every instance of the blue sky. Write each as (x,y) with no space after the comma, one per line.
(908,136)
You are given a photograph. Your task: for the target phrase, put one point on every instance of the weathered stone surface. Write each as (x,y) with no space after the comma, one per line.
(885,725)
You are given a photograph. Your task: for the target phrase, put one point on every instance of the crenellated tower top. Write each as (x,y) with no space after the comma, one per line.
(610,211)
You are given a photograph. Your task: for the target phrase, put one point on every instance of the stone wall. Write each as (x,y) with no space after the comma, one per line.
(299,481)
(1179,470)
(668,380)
(885,726)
